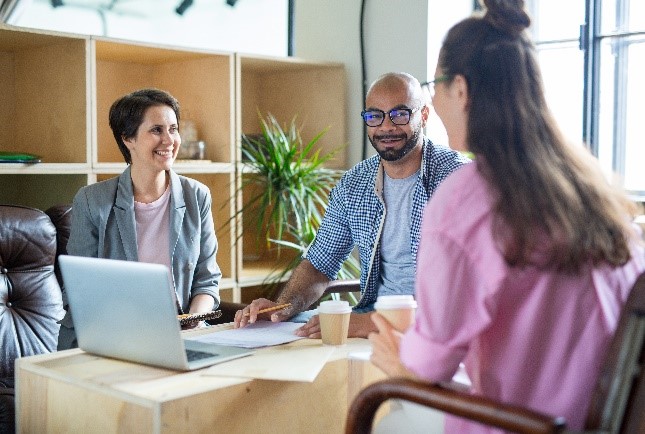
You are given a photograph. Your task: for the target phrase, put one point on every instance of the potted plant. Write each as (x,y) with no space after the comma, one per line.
(287,188)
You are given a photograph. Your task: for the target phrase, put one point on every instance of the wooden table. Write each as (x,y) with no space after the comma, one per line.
(76,392)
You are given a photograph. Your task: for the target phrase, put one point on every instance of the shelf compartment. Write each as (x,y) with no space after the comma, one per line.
(314,92)
(201,81)
(44,95)
(40,190)
(258,259)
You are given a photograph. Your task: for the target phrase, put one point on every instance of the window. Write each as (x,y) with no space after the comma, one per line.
(592,55)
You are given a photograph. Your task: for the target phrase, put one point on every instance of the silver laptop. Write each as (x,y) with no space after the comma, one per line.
(127,310)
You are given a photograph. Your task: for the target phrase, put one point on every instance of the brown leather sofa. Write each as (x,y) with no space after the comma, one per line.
(30,296)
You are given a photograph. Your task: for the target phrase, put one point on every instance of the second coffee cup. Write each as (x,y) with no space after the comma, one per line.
(399,310)
(334,321)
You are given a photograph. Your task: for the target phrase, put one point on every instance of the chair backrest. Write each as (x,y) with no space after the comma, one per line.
(29,290)
(618,402)
(342,286)
(478,408)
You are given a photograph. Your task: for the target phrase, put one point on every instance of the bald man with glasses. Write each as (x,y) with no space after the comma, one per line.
(376,207)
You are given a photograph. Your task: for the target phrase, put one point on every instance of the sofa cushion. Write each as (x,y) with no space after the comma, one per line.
(30,296)
(61,216)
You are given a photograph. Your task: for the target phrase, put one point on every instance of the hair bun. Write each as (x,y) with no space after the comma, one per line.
(508,16)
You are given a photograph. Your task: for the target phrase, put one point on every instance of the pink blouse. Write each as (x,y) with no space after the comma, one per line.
(527,337)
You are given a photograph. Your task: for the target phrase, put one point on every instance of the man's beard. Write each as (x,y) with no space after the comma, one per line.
(396,154)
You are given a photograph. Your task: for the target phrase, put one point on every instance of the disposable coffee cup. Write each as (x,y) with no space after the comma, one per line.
(399,310)
(334,321)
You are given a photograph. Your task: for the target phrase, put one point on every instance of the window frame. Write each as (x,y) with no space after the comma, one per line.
(590,41)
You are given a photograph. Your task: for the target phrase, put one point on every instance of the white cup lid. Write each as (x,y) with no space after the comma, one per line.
(395,302)
(334,306)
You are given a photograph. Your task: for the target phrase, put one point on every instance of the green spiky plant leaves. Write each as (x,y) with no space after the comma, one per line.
(290,186)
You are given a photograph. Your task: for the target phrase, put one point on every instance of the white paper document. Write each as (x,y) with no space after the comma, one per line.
(360,355)
(282,363)
(259,334)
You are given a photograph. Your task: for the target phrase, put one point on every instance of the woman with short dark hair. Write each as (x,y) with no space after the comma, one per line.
(149,213)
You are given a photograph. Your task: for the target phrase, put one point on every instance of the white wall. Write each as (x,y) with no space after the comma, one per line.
(440,19)
(399,35)
(251,26)
(395,40)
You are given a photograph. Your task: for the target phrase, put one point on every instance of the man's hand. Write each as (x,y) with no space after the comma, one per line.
(250,314)
(305,286)
(360,325)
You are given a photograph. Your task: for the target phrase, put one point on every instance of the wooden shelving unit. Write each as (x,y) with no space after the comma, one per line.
(55,94)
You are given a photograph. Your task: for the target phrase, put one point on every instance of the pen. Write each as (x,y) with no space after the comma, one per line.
(270,309)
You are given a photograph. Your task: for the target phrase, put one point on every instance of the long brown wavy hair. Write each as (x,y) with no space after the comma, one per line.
(552,197)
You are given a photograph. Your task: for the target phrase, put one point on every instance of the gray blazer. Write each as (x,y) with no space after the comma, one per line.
(103,226)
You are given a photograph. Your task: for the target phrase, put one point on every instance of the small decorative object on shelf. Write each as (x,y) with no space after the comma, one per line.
(191,147)
(194,150)
(18,157)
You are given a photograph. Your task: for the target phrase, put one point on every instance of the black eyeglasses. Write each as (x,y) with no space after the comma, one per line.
(398,116)
(430,84)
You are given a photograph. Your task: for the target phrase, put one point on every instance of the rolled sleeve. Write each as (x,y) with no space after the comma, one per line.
(440,367)
(454,307)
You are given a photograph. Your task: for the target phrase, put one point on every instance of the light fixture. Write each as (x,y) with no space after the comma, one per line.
(185,4)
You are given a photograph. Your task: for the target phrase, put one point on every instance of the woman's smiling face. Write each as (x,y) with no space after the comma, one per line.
(157,141)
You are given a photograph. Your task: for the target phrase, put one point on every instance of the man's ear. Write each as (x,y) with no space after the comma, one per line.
(425,113)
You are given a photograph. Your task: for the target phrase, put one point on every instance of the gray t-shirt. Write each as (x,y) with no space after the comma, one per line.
(397,264)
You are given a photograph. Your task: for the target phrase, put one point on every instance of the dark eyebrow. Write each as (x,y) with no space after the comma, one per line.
(396,107)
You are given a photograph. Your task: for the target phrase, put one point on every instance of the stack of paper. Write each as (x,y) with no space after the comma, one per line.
(259,334)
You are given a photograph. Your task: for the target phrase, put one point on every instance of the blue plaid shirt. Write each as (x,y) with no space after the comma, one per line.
(356,213)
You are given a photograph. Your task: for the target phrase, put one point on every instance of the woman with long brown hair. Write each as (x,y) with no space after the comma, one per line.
(527,255)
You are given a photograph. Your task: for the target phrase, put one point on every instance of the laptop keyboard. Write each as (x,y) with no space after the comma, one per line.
(198,355)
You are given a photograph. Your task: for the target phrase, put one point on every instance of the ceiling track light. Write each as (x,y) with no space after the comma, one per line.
(185,4)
